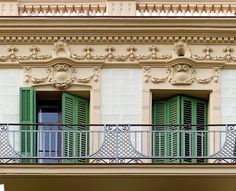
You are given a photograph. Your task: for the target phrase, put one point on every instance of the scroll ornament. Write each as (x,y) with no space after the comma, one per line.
(181,74)
(61,76)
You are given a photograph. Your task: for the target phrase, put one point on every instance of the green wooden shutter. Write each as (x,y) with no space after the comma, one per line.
(174,142)
(187,118)
(201,118)
(166,140)
(83,118)
(68,112)
(159,137)
(194,111)
(75,110)
(28,115)
(173,131)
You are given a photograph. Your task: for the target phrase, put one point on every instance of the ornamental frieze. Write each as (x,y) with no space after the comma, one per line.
(129,54)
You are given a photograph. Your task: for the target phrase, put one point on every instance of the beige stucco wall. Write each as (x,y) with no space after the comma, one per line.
(10,82)
(121,96)
(228,96)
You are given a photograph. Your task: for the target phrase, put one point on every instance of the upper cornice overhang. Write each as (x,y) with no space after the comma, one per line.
(211,170)
(116,25)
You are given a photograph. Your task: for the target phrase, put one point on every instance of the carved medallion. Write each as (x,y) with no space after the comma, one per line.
(182,74)
(61,75)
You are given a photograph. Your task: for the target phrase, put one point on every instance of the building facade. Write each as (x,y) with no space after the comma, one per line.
(117,95)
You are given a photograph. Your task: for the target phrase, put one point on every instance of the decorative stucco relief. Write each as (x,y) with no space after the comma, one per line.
(228,57)
(60,49)
(131,56)
(60,76)
(111,53)
(181,74)
(181,49)
(11,56)
(34,55)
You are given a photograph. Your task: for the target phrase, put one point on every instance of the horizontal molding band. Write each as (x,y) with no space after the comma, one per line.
(118,170)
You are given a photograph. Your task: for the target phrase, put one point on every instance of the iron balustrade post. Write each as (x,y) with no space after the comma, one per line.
(117,143)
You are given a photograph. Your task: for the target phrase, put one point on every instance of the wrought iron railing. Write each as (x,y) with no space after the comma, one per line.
(66,143)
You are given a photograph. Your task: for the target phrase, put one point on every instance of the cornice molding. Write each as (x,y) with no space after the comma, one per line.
(118,24)
(119,170)
(125,30)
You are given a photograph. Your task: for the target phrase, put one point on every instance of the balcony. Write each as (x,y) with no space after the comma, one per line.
(117,143)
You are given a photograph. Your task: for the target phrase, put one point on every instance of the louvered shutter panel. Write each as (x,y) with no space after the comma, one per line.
(201,136)
(82,118)
(28,116)
(173,131)
(75,111)
(68,118)
(187,116)
(159,137)
(194,111)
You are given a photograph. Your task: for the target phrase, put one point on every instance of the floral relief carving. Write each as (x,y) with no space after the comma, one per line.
(12,57)
(110,56)
(131,55)
(87,56)
(228,57)
(34,55)
(61,76)
(207,55)
(181,74)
